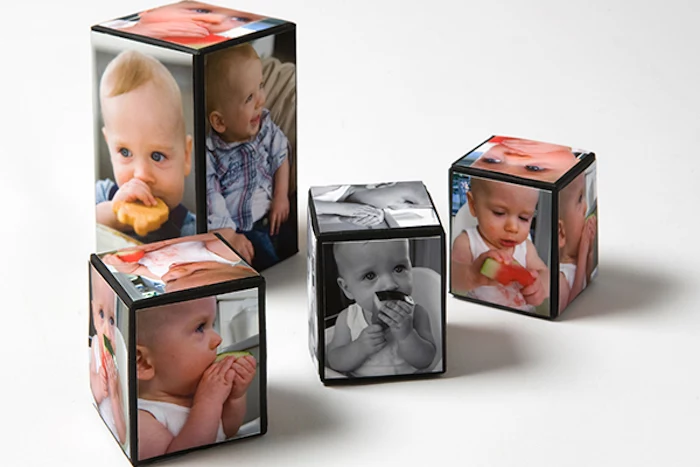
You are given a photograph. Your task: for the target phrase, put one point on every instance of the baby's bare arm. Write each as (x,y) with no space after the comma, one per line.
(105,216)
(281,180)
(344,354)
(535,263)
(233,414)
(418,348)
(466,270)
(96,381)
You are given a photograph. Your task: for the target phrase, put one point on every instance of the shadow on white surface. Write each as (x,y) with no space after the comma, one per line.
(623,289)
(296,415)
(478,349)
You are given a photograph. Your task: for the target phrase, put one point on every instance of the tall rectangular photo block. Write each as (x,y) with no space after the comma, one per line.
(376,283)
(524,225)
(177,346)
(195,129)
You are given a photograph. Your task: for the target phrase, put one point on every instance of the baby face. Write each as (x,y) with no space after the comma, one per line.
(504,211)
(368,268)
(184,345)
(242,109)
(572,213)
(102,304)
(144,133)
(214,19)
(527,159)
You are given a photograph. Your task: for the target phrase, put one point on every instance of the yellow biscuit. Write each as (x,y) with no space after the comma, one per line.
(144,219)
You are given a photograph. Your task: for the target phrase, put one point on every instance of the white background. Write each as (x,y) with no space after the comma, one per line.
(397,91)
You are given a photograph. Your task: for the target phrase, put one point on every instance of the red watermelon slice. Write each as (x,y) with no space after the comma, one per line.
(130,256)
(506,273)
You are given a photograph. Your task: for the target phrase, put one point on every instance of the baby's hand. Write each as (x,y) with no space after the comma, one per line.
(135,190)
(478,279)
(534,293)
(398,315)
(172,28)
(279,212)
(104,381)
(245,372)
(371,339)
(119,265)
(585,247)
(112,376)
(216,383)
(361,214)
(239,242)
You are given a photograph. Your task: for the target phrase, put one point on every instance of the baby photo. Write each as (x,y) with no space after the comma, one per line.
(197,365)
(177,264)
(250,99)
(383,308)
(499,242)
(311,291)
(144,191)
(108,359)
(189,23)
(523,158)
(577,236)
(373,206)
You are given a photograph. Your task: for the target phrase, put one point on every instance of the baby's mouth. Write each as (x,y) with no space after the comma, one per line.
(508,243)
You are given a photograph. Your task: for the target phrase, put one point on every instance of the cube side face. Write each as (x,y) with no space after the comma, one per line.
(366,283)
(111,378)
(504,221)
(312,270)
(577,206)
(182,346)
(239,120)
(144,119)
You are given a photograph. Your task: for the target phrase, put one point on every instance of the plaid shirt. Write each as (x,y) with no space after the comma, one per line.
(236,170)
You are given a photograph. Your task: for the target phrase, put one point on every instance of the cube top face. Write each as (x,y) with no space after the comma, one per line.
(190,24)
(522,158)
(392,206)
(179,264)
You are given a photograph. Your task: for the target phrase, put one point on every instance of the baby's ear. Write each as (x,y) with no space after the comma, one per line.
(188,154)
(216,120)
(470,201)
(144,368)
(562,234)
(344,287)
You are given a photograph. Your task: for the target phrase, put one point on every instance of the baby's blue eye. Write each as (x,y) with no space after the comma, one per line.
(534,168)
(102,314)
(524,219)
(497,213)
(491,160)
(369,276)
(249,98)
(202,10)
(124,152)
(111,320)
(200,328)
(157,156)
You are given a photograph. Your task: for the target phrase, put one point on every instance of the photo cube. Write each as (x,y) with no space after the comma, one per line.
(195,128)
(177,346)
(524,230)
(376,282)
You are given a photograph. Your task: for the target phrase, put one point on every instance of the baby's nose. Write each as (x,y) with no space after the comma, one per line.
(511,224)
(216,340)
(143,172)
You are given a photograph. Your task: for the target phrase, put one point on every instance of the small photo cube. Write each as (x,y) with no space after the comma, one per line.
(376,281)
(523,225)
(186,96)
(177,346)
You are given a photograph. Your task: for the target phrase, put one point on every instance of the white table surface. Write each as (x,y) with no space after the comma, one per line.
(397,91)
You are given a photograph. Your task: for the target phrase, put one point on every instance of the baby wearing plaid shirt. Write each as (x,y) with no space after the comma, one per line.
(247,157)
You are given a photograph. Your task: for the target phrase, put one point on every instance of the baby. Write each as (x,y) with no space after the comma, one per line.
(526,158)
(374,337)
(184,20)
(504,213)
(364,204)
(150,152)
(182,263)
(247,157)
(186,399)
(576,241)
(104,378)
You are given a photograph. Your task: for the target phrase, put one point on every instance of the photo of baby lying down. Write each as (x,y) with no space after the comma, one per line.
(373,206)
(192,389)
(384,315)
(494,257)
(177,264)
